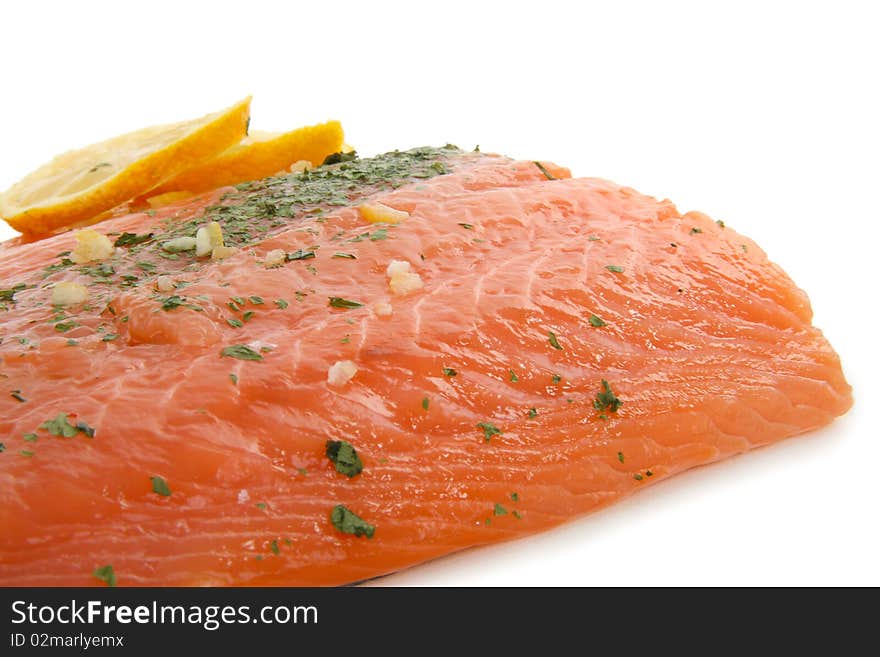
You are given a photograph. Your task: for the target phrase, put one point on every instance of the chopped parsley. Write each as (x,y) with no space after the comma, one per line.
(344,456)
(556,379)
(110,337)
(648,473)
(349,522)
(61,426)
(349,256)
(234,378)
(554,341)
(533,412)
(593,238)
(489,430)
(606,400)
(499,510)
(2,447)
(513,377)
(26,452)
(281,303)
(514,497)
(105,574)
(466,226)
(248,315)
(273,546)
(695,231)
(516,515)
(261,506)
(30,437)
(720,223)
(64,327)
(426,403)
(543,170)
(130,239)
(240,351)
(638,477)
(339,302)
(448,371)
(160,486)
(301,254)
(615,268)
(597,321)
(256,300)
(234,322)
(172,302)
(620,456)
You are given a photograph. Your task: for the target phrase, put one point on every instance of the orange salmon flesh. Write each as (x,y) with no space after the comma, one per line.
(539,348)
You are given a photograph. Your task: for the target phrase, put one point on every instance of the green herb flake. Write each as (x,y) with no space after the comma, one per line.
(620,456)
(160,486)
(597,321)
(71,342)
(301,254)
(232,321)
(489,430)
(513,377)
(516,515)
(533,413)
(273,546)
(448,371)
(554,341)
(344,457)
(248,315)
(110,337)
(234,378)
(593,238)
(499,510)
(349,256)
(556,379)
(696,231)
(261,506)
(638,477)
(130,239)
(615,268)
(281,303)
(349,522)
(17,396)
(720,223)
(30,437)
(241,352)
(105,574)
(339,302)
(60,426)
(466,226)
(2,447)
(648,473)
(606,400)
(172,302)
(514,497)
(26,452)
(256,300)
(64,327)
(426,403)
(543,170)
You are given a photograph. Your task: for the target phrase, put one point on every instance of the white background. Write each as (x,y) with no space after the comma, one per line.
(763,114)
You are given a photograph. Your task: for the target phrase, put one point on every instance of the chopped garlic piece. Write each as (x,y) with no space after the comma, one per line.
(341,372)
(90,246)
(377,212)
(66,293)
(208,238)
(164,283)
(179,244)
(382,308)
(274,258)
(220,252)
(300,165)
(403,281)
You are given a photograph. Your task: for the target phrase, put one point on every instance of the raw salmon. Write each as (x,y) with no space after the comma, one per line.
(505,349)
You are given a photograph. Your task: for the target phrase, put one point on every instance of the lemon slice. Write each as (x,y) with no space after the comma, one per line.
(260,154)
(77,186)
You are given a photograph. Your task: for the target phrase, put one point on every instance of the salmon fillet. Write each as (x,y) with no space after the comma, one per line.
(520,349)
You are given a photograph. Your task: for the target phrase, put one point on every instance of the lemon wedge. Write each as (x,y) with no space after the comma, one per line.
(76,187)
(259,155)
